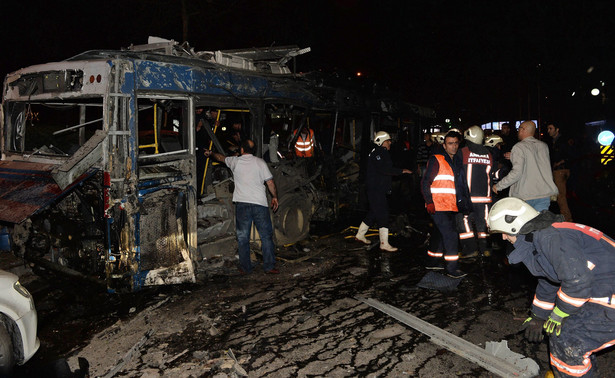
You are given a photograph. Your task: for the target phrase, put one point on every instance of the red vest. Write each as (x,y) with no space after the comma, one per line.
(443,187)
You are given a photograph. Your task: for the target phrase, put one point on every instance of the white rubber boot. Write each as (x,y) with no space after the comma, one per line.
(360,236)
(384,240)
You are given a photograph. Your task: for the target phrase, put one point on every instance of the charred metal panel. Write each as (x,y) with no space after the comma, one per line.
(89,154)
(161,242)
(26,188)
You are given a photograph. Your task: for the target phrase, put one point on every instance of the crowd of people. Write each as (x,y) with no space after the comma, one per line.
(462,175)
(574,302)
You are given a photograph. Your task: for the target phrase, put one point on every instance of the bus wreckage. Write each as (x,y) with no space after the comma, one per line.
(102,172)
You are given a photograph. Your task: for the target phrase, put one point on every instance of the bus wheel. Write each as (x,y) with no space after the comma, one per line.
(292,220)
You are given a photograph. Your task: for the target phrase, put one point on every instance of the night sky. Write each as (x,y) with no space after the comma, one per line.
(482,61)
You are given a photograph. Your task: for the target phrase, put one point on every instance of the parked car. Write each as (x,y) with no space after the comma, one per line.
(18,322)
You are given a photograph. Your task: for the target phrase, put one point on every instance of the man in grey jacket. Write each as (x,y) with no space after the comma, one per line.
(530,178)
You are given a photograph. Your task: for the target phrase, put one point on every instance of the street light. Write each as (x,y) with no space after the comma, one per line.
(595,92)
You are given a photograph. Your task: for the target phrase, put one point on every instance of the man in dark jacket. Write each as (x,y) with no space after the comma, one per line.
(559,152)
(446,193)
(380,171)
(576,282)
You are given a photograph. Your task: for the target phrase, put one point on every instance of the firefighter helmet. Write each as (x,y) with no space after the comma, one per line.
(438,138)
(474,134)
(509,214)
(493,140)
(380,137)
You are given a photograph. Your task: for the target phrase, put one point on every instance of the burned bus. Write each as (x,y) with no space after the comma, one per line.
(102,172)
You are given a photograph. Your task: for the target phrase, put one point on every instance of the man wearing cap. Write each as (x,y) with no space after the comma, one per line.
(574,303)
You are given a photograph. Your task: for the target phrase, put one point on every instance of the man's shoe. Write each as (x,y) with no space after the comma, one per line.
(273,271)
(243,272)
(360,236)
(384,240)
(456,274)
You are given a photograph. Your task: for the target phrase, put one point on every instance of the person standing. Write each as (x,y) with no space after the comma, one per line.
(478,167)
(574,299)
(380,171)
(423,152)
(251,174)
(445,193)
(530,178)
(509,137)
(560,156)
(305,142)
(201,142)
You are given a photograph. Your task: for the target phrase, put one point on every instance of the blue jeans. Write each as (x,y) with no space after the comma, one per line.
(540,204)
(245,214)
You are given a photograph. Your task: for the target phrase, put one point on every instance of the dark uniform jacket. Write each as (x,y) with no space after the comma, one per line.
(380,170)
(575,264)
(559,150)
(478,168)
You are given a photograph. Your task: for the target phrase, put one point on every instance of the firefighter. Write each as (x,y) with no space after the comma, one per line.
(574,302)
(477,168)
(445,193)
(380,171)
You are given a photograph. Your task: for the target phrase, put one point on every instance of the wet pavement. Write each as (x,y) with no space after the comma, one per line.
(302,322)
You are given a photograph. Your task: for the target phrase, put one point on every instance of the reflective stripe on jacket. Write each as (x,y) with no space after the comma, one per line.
(574,264)
(442,188)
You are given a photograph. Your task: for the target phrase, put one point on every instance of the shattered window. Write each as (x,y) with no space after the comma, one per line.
(52,128)
(162,125)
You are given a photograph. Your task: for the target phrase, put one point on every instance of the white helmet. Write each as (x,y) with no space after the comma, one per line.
(493,140)
(509,214)
(380,137)
(438,138)
(474,134)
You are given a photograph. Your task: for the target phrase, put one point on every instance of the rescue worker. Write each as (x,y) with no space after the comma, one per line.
(477,168)
(574,302)
(305,142)
(378,179)
(446,193)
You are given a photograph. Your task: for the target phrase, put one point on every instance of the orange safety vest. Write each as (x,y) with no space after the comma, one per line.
(304,147)
(443,187)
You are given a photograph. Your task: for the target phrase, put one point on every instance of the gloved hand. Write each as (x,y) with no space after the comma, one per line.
(431,208)
(533,329)
(554,323)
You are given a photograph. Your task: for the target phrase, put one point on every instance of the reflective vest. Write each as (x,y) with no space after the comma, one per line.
(443,187)
(304,147)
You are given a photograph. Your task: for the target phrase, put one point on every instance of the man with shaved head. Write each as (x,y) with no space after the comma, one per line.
(252,179)
(530,178)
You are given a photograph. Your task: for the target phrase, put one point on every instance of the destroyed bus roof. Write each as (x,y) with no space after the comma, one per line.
(202,77)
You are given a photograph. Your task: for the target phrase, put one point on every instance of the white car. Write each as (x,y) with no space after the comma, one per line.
(18,322)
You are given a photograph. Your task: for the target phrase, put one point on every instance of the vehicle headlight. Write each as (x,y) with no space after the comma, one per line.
(21,290)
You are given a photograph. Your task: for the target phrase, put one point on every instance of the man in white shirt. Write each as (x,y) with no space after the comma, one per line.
(530,178)
(251,174)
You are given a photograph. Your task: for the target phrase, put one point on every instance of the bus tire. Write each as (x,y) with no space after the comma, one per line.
(292,220)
